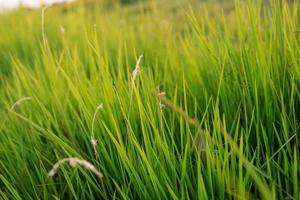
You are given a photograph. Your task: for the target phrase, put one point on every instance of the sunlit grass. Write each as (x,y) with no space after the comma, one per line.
(211,114)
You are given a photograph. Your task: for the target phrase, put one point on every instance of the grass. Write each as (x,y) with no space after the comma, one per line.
(224,123)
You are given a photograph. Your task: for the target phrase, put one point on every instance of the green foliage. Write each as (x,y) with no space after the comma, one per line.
(232,66)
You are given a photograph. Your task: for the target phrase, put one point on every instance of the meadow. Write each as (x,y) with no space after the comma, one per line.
(151,100)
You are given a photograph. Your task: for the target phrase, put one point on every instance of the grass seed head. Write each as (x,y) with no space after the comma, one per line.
(136,69)
(93,139)
(19,101)
(73,162)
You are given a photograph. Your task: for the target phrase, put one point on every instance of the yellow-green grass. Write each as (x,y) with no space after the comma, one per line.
(229,71)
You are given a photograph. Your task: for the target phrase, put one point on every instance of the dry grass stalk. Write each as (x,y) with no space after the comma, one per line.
(135,73)
(168,103)
(136,70)
(73,162)
(18,102)
(199,141)
(93,139)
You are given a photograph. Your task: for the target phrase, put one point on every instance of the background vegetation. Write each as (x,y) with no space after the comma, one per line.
(227,126)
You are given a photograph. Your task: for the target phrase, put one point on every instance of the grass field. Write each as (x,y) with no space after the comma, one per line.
(152,100)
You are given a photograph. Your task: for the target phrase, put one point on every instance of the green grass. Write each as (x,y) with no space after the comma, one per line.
(230,126)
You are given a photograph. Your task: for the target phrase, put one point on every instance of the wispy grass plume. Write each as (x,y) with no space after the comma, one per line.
(93,139)
(19,101)
(73,162)
(134,76)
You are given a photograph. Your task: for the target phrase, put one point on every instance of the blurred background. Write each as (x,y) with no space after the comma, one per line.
(10,4)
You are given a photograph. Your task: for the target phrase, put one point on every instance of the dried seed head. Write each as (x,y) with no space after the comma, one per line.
(73,162)
(18,102)
(93,140)
(136,70)
(160,94)
(100,106)
(161,105)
